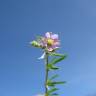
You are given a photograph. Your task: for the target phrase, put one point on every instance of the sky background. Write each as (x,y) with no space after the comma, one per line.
(21,73)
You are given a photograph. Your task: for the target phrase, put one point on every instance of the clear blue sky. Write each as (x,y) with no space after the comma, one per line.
(21,74)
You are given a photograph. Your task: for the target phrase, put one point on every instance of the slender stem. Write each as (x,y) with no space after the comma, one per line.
(46,74)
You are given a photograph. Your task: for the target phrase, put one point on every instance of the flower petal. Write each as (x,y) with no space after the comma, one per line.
(40,95)
(48,34)
(42,56)
(50,49)
(54,36)
(56,44)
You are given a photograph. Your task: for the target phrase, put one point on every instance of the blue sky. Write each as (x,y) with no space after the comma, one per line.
(21,74)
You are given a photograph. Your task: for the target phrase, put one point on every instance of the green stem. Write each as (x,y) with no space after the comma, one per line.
(46,74)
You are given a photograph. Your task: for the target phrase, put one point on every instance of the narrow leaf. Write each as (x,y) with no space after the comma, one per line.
(54,67)
(57,60)
(56,54)
(61,82)
(50,66)
(53,83)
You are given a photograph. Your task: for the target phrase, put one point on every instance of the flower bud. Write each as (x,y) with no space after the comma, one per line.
(35,44)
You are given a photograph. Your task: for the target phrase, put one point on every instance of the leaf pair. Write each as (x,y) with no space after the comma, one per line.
(55,60)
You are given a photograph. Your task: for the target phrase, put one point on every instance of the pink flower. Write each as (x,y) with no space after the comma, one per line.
(50,41)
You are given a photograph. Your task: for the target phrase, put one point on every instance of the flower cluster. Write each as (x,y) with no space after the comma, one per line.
(50,42)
